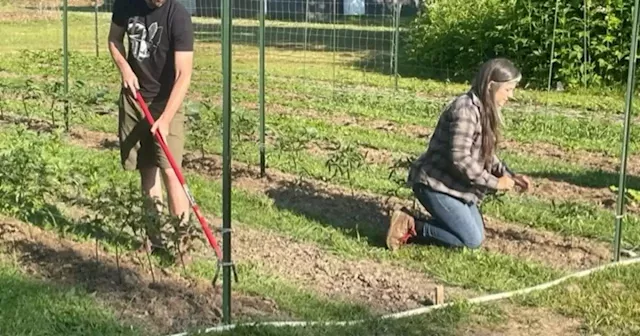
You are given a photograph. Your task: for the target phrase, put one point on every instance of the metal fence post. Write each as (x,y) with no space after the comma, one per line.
(226,161)
(625,141)
(65,63)
(261,89)
(95,17)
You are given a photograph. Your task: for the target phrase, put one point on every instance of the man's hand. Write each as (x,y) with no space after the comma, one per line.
(522,182)
(130,80)
(162,125)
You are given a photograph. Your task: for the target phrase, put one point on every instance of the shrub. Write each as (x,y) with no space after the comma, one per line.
(454,38)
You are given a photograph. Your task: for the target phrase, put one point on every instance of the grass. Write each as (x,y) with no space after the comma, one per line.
(569,217)
(443,322)
(35,307)
(608,301)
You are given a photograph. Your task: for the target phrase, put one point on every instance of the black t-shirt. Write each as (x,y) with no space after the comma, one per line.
(154,35)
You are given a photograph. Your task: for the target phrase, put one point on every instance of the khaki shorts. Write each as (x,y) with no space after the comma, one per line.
(138,147)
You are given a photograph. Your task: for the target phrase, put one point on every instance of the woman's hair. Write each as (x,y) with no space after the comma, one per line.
(498,70)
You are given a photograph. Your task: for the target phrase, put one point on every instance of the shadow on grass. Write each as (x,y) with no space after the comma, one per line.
(356,216)
(589,178)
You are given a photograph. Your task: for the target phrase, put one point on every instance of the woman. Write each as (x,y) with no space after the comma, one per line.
(460,165)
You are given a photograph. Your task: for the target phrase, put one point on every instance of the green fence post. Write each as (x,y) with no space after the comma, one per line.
(65,65)
(333,43)
(553,44)
(226,161)
(625,142)
(95,17)
(261,89)
(396,41)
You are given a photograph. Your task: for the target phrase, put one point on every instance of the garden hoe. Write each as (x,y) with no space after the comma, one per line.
(192,201)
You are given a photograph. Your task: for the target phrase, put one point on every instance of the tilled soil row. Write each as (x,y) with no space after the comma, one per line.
(587,159)
(559,188)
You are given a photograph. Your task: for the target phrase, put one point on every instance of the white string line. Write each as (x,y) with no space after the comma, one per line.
(423,310)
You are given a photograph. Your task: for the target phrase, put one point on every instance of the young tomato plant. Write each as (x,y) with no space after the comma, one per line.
(27,179)
(204,124)
(398,174)
(56,94)
(32,92)
(182,237)
(293,143)
(344,160)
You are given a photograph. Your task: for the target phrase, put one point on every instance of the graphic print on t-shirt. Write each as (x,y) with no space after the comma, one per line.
(144,42)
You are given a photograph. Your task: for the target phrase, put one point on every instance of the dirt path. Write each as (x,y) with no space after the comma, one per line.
(171,304)
(383,286)
(378,284)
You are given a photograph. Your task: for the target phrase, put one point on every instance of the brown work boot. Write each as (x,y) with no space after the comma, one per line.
(401,228)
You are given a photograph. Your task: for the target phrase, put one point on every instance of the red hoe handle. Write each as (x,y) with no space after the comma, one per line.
(176,169)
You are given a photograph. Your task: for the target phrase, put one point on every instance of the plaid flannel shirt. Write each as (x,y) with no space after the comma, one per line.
(453,161)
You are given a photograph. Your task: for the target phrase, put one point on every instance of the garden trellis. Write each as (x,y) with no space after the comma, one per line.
(368,40)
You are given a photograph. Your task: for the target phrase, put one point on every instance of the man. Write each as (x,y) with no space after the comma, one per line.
(159,66)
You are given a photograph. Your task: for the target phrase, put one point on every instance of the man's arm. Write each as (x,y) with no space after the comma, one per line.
(183,43)
(117,51)
(184,69)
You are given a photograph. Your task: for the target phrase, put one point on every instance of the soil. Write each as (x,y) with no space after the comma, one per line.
(167,305)
(557,188)
(381,286)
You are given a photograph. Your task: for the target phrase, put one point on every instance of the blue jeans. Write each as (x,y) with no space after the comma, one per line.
(453,223)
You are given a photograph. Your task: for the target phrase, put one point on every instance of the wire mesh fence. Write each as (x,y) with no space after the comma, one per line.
(300,57)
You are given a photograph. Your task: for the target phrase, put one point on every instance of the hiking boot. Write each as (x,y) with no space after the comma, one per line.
(401,228)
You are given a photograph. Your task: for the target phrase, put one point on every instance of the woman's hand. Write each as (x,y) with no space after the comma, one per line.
(522,182)
(505,183)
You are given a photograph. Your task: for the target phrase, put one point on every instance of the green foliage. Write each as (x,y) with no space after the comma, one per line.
(293,141)
(344,160)
(27,178)
(205,122)
(456,36)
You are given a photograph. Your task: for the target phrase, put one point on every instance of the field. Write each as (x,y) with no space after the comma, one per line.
(308,239)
